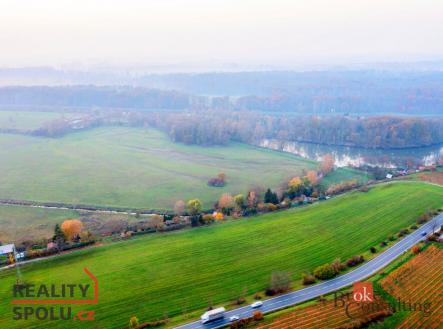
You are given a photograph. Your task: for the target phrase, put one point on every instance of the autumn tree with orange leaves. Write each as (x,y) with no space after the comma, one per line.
(312,177)
(226,202)
(72,228)
(327,164)
(416,249)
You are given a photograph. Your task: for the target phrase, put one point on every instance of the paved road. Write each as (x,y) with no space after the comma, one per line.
(326,287)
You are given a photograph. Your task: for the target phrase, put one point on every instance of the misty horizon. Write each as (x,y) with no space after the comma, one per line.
(224,35)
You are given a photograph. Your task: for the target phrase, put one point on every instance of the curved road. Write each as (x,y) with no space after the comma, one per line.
(299,296)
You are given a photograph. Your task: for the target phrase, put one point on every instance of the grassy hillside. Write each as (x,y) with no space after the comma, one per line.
(133,168)
(182,271)
(21,222)
(345,174)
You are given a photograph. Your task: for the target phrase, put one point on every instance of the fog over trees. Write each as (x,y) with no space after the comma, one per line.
(375,91)
(372,109)
(215,127)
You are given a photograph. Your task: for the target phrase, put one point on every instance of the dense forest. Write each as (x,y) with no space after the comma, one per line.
(351,91)
(368,92)
(92,96)
(221,127)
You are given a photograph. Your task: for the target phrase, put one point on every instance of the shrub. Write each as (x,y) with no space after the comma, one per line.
(257,296)
(270,292)
(416,249)
(280,282)
(342,187)
(207,218)
(383,244)
(321,298)
(308,278)
(240,300)
(261,207)
(391,238)
(242,323)
(325,272)
(364,189)
(432,238)
(414,227)
(133,322)
(403,232)
(423,218)
(152,324)
(338,266)
(258,316)
(355,260)
(218,181)
(373,250)
(272,207)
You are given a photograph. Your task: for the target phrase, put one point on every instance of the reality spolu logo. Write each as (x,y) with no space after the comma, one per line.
(54,302)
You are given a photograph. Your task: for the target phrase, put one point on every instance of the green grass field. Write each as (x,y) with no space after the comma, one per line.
(345,174)
(18,223)
(24,120)
(132,167)
(30,223)
(183,271)
(127,167)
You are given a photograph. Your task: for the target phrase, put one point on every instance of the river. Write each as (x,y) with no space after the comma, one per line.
(354,156)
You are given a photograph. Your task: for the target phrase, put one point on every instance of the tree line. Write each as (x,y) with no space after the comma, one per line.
(213,127)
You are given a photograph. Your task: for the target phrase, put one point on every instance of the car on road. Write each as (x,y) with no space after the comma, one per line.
(213,315)
(424,234)
(234,318)
(256,304)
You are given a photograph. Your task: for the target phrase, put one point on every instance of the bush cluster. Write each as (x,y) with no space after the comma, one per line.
(325,272)
(240,301)
(342,187)
(355,260)
(152,324)
(403,233)
(308,278)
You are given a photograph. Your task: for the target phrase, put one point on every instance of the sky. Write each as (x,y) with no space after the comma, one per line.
(259,32)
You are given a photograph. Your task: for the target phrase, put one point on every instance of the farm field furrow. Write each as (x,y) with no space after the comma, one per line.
(419,282)
(324,315)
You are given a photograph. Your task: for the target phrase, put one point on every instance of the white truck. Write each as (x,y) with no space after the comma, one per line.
(212,315)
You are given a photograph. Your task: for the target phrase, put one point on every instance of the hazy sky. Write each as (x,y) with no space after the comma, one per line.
(56,32)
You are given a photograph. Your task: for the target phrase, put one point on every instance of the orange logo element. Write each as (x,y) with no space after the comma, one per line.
(363,292)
